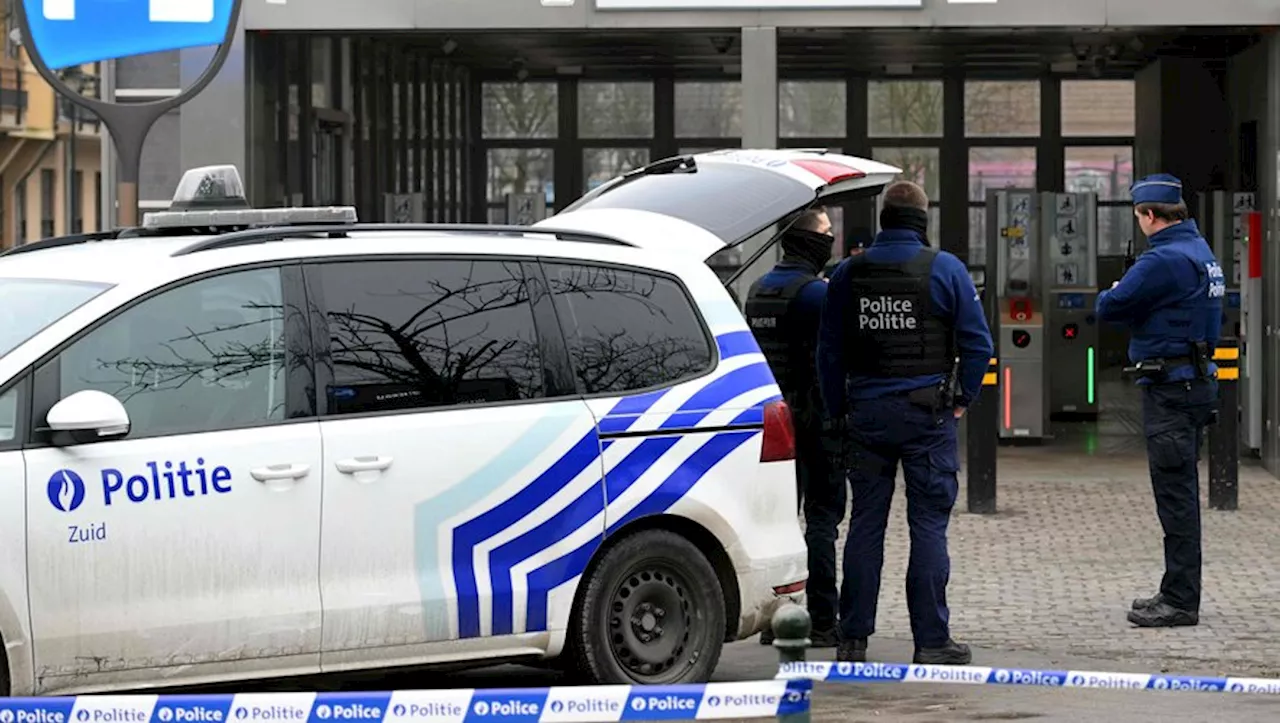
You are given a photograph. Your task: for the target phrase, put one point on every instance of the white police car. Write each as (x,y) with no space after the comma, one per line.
(246,443)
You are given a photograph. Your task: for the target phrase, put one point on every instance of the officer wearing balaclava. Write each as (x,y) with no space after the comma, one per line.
(897,318)
(783,308)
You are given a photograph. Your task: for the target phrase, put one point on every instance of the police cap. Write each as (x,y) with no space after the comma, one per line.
(1159,188)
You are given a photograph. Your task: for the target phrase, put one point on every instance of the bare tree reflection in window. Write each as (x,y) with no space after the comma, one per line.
(627,330)
(520,110)
(426,334)
(208,355)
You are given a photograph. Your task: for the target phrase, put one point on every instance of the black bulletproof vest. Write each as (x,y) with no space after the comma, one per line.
(790,358)
(889,330)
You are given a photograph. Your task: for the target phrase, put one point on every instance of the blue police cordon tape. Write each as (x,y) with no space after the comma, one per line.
(587,704)
(975,675)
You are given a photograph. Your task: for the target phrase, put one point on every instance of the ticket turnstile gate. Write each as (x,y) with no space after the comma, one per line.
(1015,275)
(1069,234)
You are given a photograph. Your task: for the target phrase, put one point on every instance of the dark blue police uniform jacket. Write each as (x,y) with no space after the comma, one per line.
(887,429)
(1170,298)
(806,308)
(954,300)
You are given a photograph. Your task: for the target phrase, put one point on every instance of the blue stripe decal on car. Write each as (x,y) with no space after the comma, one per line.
(429,515)
(471,533)
(725,389)
(579,512)
(563,569)
(527,500)
(737,343)
(523,503)
(628,410)
(617,481)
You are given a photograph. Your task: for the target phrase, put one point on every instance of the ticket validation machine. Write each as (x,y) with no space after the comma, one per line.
(1015,275)
(1069,234)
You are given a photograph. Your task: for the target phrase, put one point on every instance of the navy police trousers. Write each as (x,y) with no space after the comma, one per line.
(823,495)
(1174,416)
(883,433)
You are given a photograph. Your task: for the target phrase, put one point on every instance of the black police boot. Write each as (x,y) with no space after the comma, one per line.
(825,637)
(1143,603)
(1163,615)
(766,637)
(852,651)
(952,653)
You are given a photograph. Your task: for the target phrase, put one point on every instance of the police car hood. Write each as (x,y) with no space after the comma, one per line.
(730,196)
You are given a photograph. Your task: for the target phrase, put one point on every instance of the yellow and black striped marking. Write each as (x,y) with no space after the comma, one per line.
(1228,361)
(992,377)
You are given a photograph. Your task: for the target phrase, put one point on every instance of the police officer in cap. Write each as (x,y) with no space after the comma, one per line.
(783,308)
(896,319)
(1171,301)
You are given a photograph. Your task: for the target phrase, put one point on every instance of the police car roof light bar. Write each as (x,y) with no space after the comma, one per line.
(289,233)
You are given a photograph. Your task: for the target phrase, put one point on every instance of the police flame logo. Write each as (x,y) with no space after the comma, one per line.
(66,490)
(6,716)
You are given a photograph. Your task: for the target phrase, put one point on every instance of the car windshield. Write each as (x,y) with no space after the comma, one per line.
(29,305)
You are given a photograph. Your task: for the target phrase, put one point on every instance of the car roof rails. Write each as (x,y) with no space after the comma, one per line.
(60,241)
(289,233)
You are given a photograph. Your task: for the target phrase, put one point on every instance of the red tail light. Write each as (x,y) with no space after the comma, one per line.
(779,433)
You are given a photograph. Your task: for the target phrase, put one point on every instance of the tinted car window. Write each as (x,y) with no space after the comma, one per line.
(627,330)
(206,356)
(430,333)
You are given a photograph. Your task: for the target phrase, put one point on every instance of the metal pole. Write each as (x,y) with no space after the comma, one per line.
(982,444)
(72,191)
(791,627)
(107,92)
(1224,440)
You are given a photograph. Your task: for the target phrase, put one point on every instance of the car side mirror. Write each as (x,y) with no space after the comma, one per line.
(88,416)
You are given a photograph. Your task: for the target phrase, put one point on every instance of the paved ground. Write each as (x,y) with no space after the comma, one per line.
(1045,584)
(1076,539)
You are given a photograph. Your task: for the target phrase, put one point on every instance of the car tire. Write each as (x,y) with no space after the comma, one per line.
(651,613)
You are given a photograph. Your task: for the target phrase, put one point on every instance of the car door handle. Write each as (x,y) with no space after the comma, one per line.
(276,472)
(362,464)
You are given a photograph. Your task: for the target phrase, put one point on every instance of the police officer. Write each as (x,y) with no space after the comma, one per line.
(1171,300)
(783,308)
(895,320)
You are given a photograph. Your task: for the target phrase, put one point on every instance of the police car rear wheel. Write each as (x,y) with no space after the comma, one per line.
(651,613)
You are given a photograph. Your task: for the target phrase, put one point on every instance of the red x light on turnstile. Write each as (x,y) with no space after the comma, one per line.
(1070,331)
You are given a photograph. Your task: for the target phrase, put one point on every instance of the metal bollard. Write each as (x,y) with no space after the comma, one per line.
(1224,437)
(982,444)
(791,628)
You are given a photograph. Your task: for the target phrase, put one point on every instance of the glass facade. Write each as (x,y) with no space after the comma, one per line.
(459,144)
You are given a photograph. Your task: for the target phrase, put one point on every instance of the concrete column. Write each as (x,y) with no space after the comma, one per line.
(759,87)
(759,127)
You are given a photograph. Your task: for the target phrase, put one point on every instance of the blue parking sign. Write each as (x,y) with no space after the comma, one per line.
(71,32)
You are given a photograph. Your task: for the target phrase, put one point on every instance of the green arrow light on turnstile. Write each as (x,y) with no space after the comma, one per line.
(1089,361)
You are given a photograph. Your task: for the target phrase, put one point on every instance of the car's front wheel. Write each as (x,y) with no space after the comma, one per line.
(652,613)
